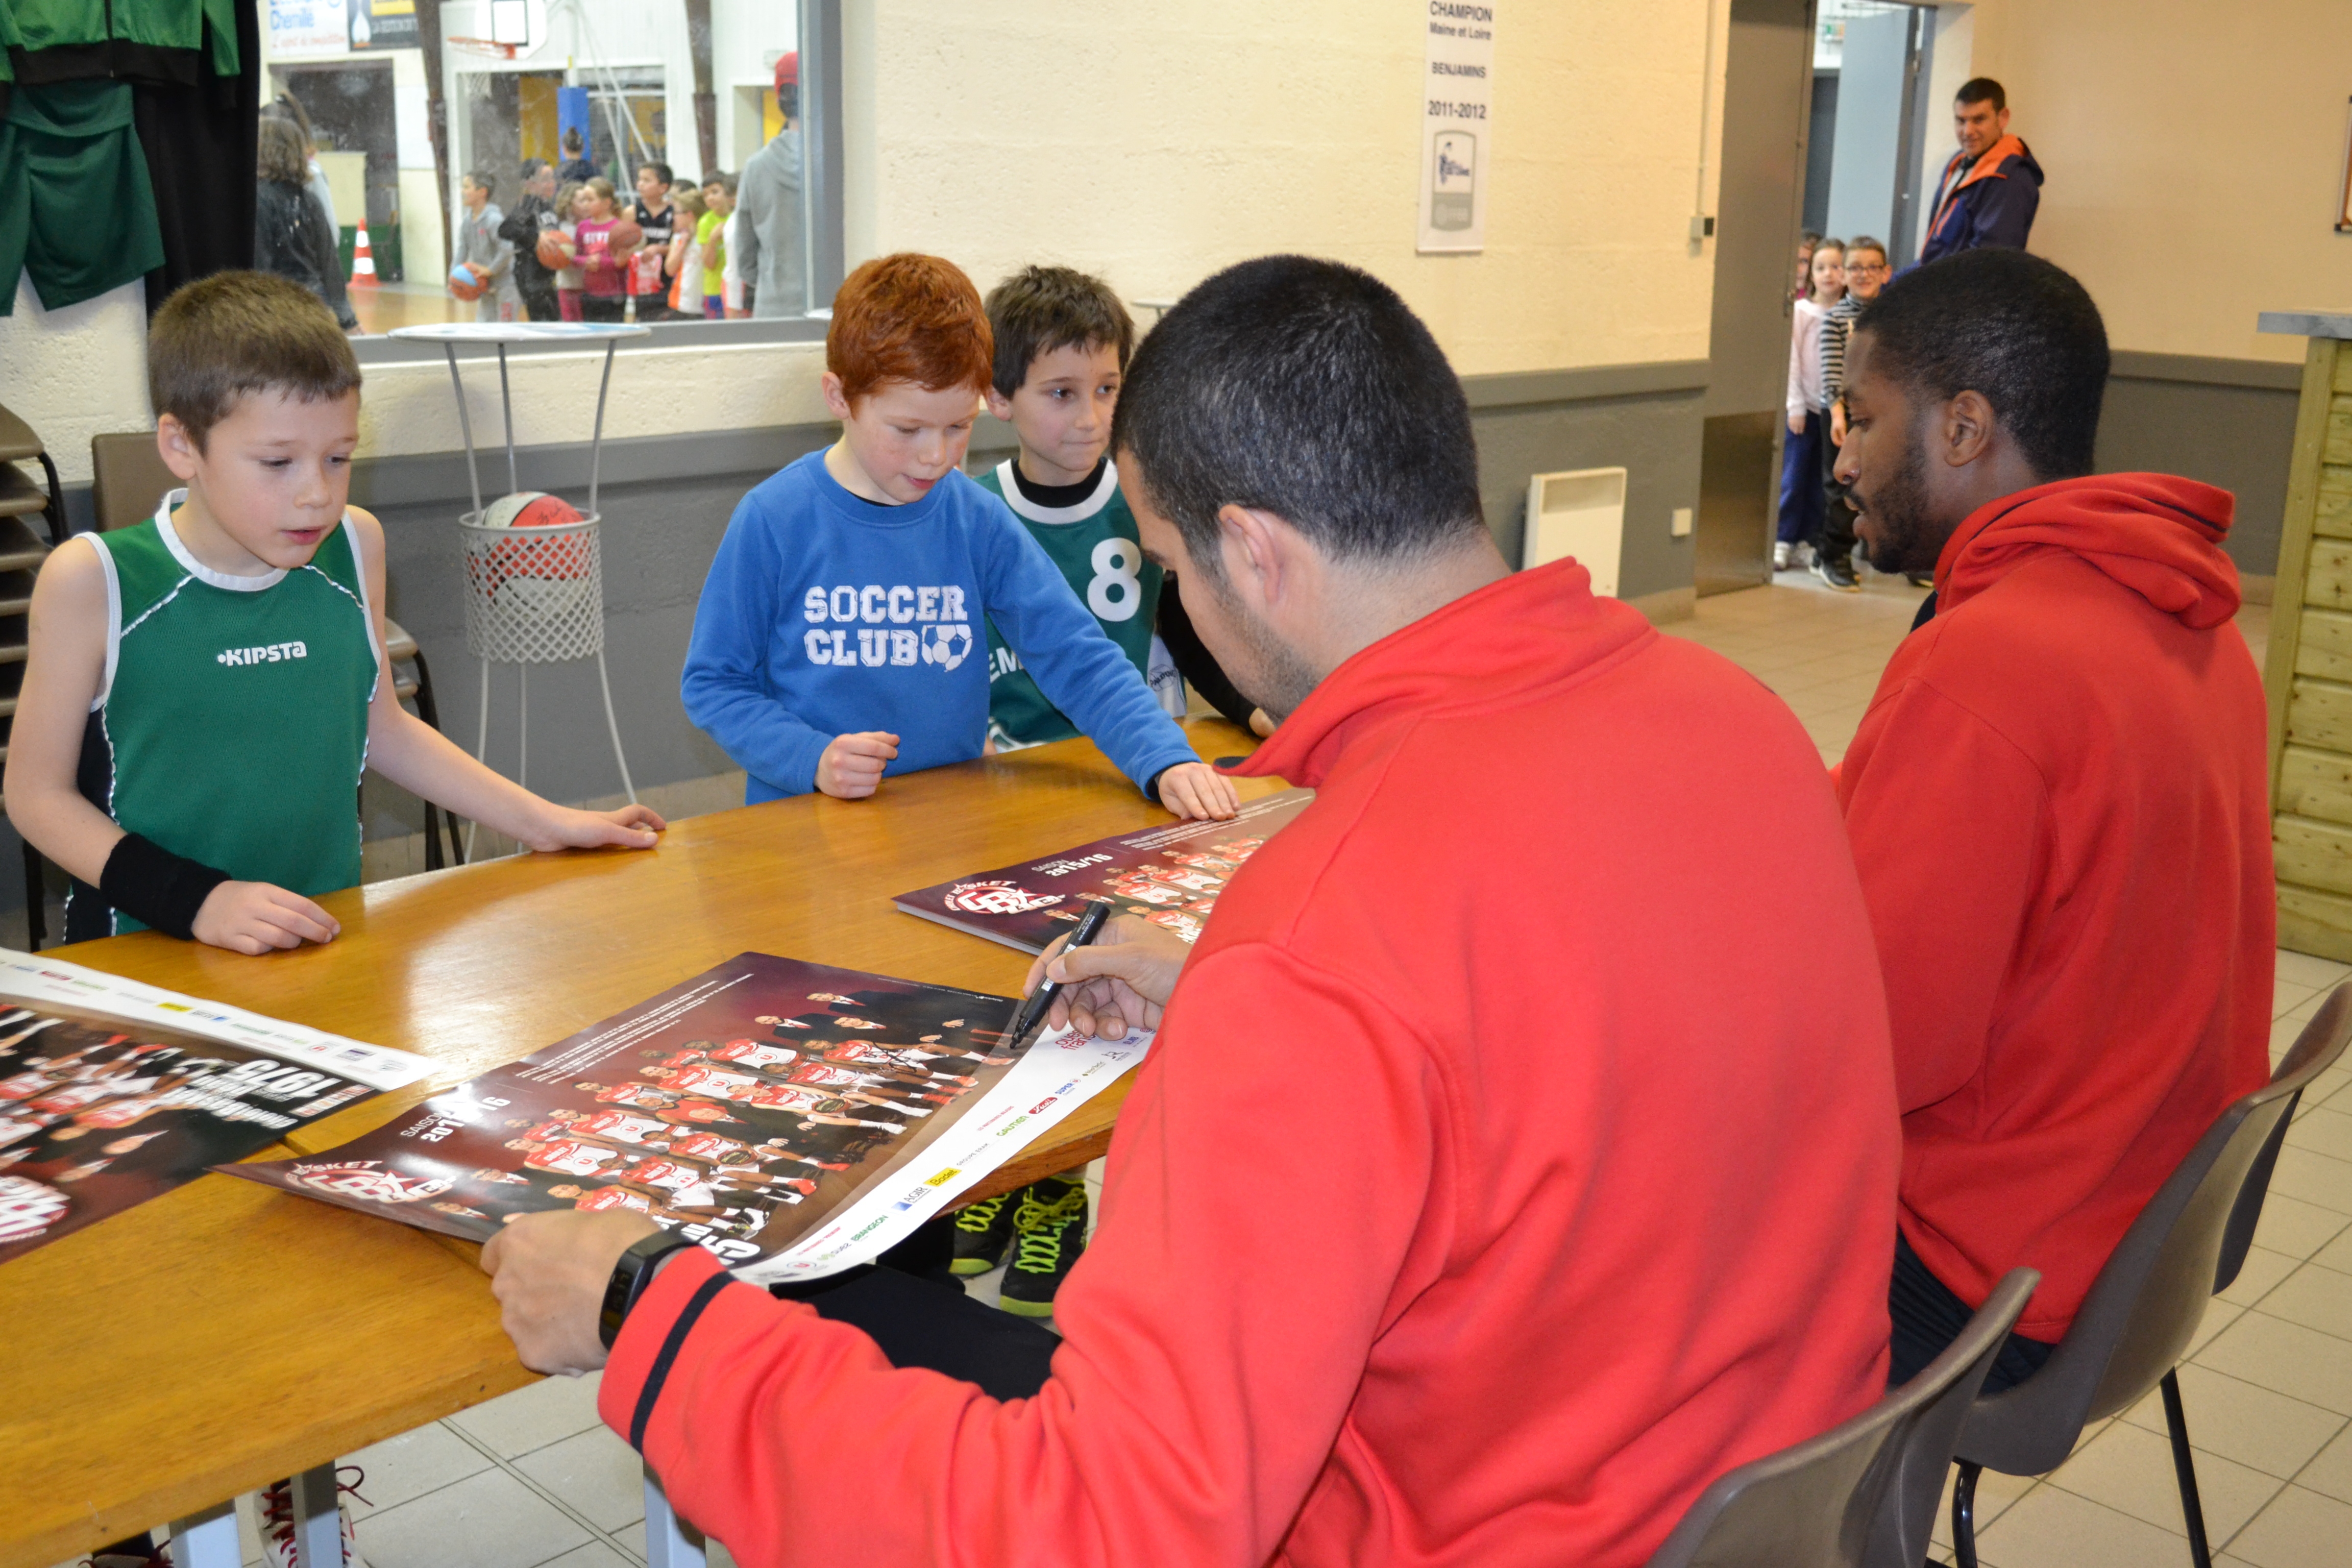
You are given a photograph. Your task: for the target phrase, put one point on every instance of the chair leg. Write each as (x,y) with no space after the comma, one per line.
(429,710)
(2184,1467)
(1964,1515)
(36,924)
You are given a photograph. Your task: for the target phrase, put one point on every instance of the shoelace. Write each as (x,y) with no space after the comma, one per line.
(978,1217)
(1038,1230)
(277,1502)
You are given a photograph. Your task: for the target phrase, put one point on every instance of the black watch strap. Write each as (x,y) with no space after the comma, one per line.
(630,1277)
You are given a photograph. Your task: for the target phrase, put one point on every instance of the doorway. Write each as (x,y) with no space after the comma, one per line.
(1767,106)
(349,103)
(1870,59)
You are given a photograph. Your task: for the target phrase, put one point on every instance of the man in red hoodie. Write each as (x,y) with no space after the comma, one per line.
(2057,799)
(1492,1184)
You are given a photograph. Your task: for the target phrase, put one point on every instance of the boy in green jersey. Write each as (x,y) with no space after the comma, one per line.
(1062,343)
(205,688)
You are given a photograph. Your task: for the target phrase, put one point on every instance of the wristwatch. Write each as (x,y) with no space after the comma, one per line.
(631,1275)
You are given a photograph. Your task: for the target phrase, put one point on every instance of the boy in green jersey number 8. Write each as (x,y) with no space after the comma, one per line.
(205,688)
(1062,343)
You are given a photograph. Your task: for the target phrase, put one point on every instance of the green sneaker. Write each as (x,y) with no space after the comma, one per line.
(1049,1232)
(983,1231)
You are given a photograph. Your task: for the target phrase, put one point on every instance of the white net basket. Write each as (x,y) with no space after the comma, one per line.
(533,596)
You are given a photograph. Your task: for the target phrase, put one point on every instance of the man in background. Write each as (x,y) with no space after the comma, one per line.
(1992,187)
(772,255)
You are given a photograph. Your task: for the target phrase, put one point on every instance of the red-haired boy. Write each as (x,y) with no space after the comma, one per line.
(842,631)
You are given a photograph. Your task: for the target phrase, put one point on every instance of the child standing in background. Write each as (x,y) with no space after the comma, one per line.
(1865,273)
(571,208)
(603,267)
(685,263)
(1800,459)
(710,239)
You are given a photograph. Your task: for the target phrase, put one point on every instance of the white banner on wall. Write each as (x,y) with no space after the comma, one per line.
(1456,130)
(301,29)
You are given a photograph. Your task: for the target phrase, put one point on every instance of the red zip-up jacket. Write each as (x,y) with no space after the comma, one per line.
(1495,1183)
(2058,801)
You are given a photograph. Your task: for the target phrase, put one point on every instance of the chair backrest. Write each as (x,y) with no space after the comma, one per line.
(127,477)
(1862,1494)
(2144,1308)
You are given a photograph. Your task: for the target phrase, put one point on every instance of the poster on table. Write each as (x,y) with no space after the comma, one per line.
(1456,124)
(1169,875)
(796,1119)
(112,1092)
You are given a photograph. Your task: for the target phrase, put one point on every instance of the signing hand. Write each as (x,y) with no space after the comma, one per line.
(1123,979)
(852,766)
(1197,790)
(632,827)
(549,1271)
(255,917)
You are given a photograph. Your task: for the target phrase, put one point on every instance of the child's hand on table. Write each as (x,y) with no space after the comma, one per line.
(852,766)
(1197,790)
(258,917)
(631,827)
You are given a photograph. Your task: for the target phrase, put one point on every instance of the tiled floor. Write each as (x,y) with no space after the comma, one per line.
(533,1478)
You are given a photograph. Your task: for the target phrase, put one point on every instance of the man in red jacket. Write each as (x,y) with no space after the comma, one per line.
(1492,1184)
(2057,799)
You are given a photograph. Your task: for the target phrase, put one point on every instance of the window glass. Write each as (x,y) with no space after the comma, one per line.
(582,137)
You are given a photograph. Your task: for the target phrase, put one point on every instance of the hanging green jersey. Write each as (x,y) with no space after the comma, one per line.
(1095,546)
(231,723)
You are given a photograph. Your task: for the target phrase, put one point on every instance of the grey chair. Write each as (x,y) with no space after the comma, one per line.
(2145,1304)
(1862,1494)
(128,478)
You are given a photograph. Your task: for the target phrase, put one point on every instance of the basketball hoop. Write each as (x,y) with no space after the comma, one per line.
(484,46)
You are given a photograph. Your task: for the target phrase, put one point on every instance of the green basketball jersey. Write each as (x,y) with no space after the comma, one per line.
(231,723)
(1095,546)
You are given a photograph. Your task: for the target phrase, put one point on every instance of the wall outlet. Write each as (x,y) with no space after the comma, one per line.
(1680,526)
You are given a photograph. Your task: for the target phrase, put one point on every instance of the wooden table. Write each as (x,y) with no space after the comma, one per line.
(225,1335)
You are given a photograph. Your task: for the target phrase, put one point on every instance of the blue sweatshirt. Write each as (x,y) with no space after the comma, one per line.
(825,614)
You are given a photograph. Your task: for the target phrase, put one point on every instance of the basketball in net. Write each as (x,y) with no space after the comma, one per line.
(464,283)
(524,567)
(555,249)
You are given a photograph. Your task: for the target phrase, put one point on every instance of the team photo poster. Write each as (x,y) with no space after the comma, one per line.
(112,1092)
(1169,876)
(793,1119)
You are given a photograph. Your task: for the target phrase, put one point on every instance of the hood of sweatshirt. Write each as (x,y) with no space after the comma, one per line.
(1521,632)
(2156,534)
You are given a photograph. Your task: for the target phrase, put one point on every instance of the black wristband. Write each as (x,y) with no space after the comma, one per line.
(631,1275)
(155,886)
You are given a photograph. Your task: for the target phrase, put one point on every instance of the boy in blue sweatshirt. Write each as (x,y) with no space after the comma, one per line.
(842,632)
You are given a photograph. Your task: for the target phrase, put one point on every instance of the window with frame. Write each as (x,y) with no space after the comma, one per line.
(667,162)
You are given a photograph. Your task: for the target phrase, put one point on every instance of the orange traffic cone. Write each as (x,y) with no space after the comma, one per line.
(363,262)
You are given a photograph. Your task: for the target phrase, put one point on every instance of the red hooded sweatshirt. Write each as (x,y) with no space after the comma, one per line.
(1493,1183)
(2058,802)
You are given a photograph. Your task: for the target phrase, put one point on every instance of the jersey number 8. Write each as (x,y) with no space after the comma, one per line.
(1116,593)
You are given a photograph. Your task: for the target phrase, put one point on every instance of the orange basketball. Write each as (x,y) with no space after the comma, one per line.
(627,235)
(464,283)
(555,249)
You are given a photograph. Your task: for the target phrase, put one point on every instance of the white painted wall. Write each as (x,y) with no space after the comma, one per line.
(77,373)
(2195,155)
(1164,144)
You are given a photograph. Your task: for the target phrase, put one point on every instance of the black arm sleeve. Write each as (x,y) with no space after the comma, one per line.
(155,886)
(1195,662)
